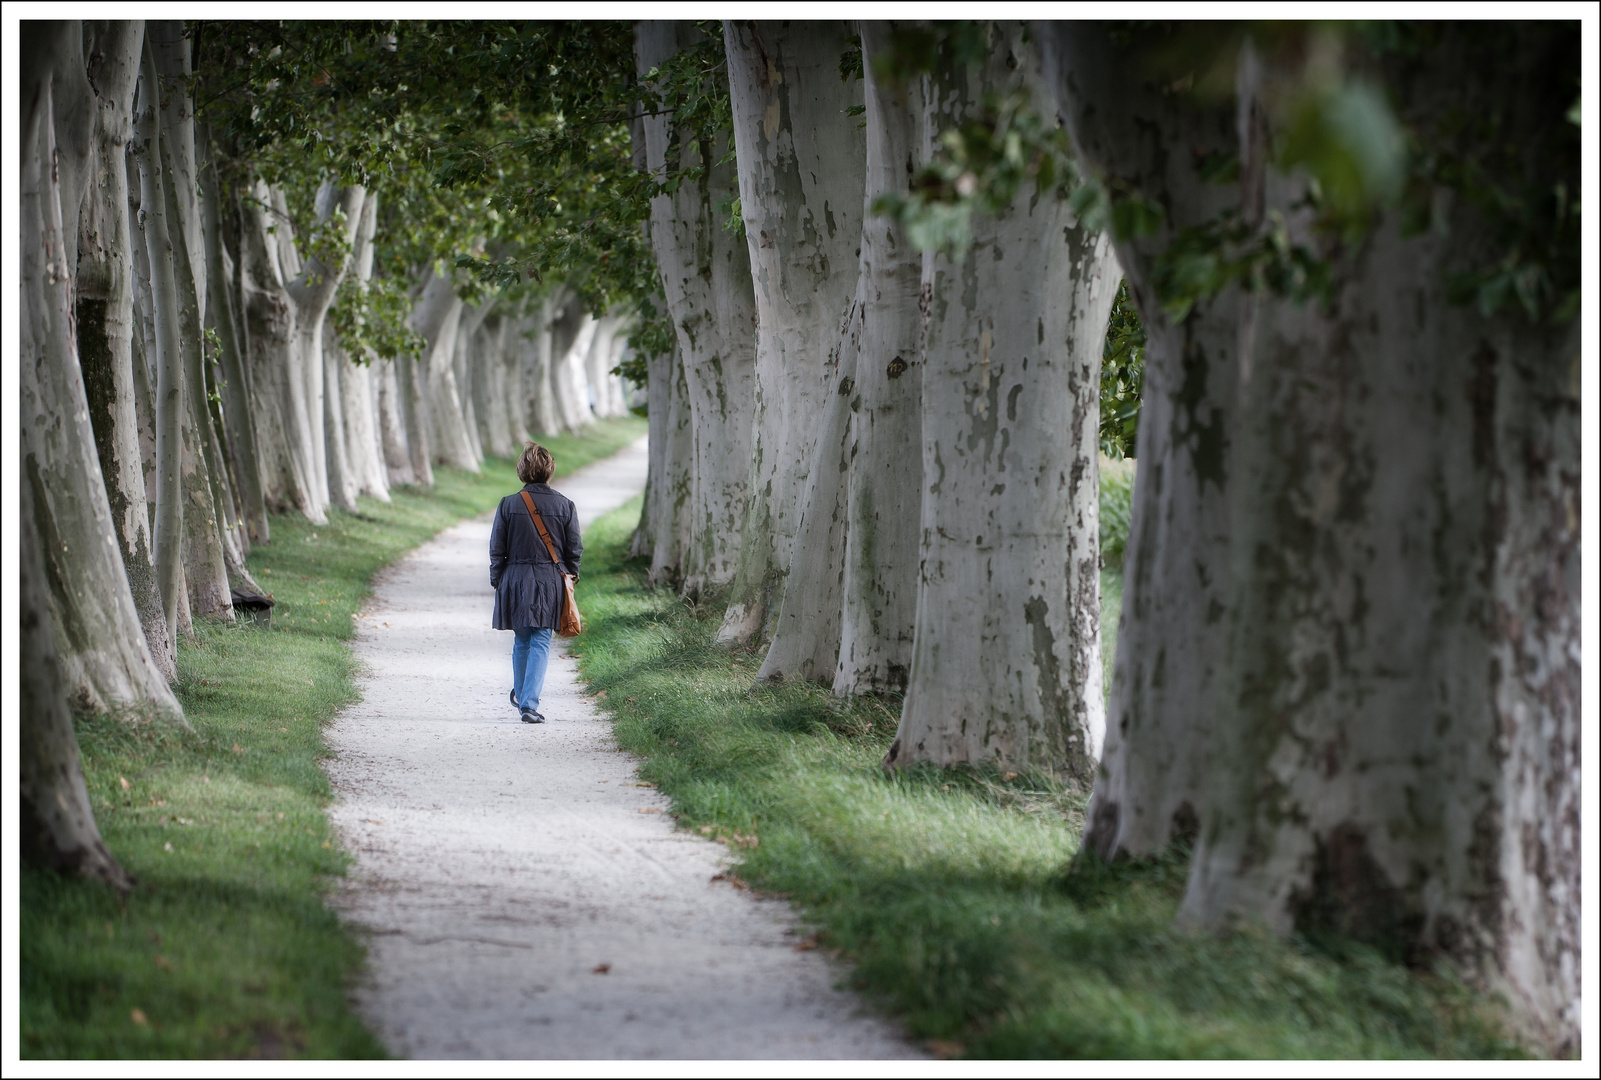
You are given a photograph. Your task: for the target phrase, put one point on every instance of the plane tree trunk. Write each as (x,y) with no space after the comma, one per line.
(105,661)
(1133,134)
(878,590)
(1006,665)
(801,170)
(706,280)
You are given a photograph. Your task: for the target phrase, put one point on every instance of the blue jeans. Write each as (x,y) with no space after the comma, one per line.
(530,655)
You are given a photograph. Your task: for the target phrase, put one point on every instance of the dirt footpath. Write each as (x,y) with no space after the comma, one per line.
(525,897)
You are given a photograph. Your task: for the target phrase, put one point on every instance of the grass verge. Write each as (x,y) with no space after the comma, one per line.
(948,889)
(226,947)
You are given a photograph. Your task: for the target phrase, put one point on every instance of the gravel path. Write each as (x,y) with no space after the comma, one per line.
(525,896)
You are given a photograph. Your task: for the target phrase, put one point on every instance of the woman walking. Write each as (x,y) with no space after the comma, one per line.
(528,584)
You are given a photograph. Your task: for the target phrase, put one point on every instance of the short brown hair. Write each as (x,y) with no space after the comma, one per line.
(536,466)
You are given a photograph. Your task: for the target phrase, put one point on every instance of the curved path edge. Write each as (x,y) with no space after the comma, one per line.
(523,896)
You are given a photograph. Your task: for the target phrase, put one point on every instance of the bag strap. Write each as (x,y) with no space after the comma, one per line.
(539,523)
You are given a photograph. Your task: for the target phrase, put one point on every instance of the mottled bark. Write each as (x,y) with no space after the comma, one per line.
(1129,129)
(104,311)
(105,661)
(1006,665)
(1397,737)
(437,316)
(706,281)
(57,826)
(220,215)
(568,380)
(806,633)
(884,504)
(392,424)
(664,531)
(358,402)
(801,177)
(168,522)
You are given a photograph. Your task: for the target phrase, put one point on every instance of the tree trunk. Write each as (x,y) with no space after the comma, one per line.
(1397,740)
(312,291)
(437,317)
(490,389)
(467,364)
(104,310)
(220,218)
(540,405)
(706,280)
(806,635)
(664,531)
(342,490)
(392,407)
(802,161)
(205,564)
(1006,665)
(104,659)
(885,485)
(364,449)
(169,412)
(1171,637)
(569,382)
(57,827)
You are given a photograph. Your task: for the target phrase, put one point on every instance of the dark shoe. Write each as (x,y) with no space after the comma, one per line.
(532,717)
(513,696)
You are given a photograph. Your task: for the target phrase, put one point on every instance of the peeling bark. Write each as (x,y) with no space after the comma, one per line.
(104,311)
(1397,739)
(1006,665)
(884,507)
(1172,632)
(104,658)
(801,177)
(706,281)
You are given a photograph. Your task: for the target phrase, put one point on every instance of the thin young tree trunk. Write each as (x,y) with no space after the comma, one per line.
(802,163)
(1127,128)
(57,827)
(1006,665)
(706,280)
(879,589)
(104,658)
(104,311)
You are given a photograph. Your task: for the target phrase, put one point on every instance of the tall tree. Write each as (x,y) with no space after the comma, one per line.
(801,178)
(104,312)
(706,280)
(105,660)
(1006,663)
(885,483)
(1152,148)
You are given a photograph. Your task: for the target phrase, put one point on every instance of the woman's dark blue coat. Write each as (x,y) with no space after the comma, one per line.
(528,587)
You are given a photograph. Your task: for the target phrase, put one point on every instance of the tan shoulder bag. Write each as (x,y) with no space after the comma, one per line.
(569,625)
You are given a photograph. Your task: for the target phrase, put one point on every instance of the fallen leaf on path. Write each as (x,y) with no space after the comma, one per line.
(373,821)
(649,810)
(600,969)
(123,780)
(943,1048)
(138,1016)
(806,946)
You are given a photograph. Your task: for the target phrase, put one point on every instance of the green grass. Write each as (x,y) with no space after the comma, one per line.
(226,948)
(950,892)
